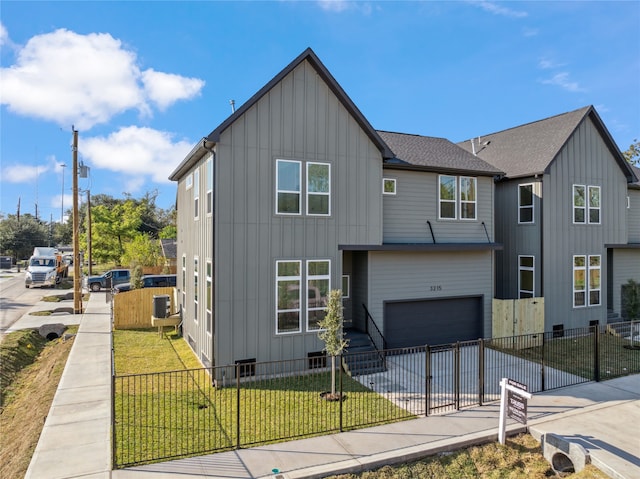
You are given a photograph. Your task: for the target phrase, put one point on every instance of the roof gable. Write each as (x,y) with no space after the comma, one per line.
(530,149)
(434,154)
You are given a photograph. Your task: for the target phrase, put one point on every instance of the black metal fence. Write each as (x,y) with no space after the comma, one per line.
(174,414)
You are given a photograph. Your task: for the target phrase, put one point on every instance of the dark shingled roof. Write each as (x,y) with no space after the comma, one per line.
(169,248)
(433,154)
(636,184)
(529,149)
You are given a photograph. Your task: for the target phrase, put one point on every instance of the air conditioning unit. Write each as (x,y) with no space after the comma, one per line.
(161,306)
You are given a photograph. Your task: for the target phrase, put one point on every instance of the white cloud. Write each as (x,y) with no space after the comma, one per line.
(562,80)
(4,35)
(82,80)
(22,173)
(546,64)
(139,152)
(165,88)
(496,9)
(334,5)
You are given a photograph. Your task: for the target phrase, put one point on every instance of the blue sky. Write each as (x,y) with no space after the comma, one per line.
(142,82)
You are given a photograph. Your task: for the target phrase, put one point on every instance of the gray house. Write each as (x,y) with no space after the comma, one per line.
(567,214)
(296,194)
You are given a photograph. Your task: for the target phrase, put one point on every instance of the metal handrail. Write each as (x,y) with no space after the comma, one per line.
(370,320)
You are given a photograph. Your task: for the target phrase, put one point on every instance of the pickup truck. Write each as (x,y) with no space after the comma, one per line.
(108,280)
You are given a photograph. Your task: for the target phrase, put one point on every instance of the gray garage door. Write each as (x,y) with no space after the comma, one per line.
(435,321)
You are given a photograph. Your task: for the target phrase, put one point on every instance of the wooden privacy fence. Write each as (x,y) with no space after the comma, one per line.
(517,317)
(133,309)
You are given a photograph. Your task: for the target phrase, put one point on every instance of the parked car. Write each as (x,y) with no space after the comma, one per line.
(108,280)
(150,281)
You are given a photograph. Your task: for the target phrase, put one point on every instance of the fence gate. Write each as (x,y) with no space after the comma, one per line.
(517,317)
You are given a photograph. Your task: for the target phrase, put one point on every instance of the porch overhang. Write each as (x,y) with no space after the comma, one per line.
(623,246)
(423,247)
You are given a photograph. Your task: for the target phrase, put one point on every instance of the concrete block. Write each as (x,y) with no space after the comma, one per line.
(563,454)
(51,331)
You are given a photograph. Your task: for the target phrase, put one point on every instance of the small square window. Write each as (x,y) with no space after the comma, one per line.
(346,286)
(388,186)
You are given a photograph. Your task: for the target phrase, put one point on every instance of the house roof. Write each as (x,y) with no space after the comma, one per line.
(530,149)
(433,154)
(635,184)
(169,248)
(309,56)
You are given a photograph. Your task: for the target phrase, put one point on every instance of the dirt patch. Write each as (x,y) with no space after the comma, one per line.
(27,404)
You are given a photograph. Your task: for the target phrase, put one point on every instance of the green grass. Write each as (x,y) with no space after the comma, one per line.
(182,413)
(575,355)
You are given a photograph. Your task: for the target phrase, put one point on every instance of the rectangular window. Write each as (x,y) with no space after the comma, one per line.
(209,296)
(346,286)
(195,289)
(189,181)
(196,194)
(288,280)
(288,187)
(184,281)
(318,287)
(594,280)
(594,204)
(525,204)
(579,204)
(526,277)
(467,198)
(579,281)
(388,186)
(318,189)
(210,186)
(447,197)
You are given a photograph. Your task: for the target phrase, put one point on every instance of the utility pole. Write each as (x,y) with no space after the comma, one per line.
(77,290)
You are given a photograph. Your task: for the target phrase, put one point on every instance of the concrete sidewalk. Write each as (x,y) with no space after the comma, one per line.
(75,442)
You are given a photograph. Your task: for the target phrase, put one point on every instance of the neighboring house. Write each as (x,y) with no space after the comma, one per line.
(296,194)
(566,216)
(169,248)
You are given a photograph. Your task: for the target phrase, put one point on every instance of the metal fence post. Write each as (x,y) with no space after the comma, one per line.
(542,353)
(480,371)
(596,354)
(238,406)
(427,380)
(457,375)
(341,398)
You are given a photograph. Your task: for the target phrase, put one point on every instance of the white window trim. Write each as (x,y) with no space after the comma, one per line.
(589,288)
(184,283)
(209,286)
(196,286)
(592,208)
(189,181)
(526,268)
(309,193)
(585,290)
(348,278)
(300,299)
(521,207)
(389,193)
(299,192)
(574,207)
(474,202)
(209,195)
(310,278)
(196,194)
(454,201)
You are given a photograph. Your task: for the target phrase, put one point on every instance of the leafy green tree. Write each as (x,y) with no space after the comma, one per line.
(169,232)
(18,236)
(112,228)
(136,277)
(142,250)
(332,334)
(632,155)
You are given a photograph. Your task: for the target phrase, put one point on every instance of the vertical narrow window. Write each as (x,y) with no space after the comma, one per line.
(447,197)
(196,194)
(210,185)
(525,203)
(288,282)
(594,204)
(209,296)
(526,277)
(288,187)
(467,198)
(579,204)
(579,281)
(189,181)
(195,289)
(388,186)
(318,286)
(594,280)
(183,285)
(318,189)
(346,286)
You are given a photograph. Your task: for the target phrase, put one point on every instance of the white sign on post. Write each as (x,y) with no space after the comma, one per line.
(513,403)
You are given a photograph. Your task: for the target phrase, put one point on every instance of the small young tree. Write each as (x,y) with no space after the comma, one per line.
(332,334)
(136,277)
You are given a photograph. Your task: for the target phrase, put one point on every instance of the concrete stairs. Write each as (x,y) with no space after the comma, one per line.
(361,356)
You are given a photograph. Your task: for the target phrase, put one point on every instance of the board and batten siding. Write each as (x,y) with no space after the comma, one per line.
(300,118)
(517,239)
(626,266)
(633,215)
(437,275)
(583,160)
(195,237)
(416,201)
